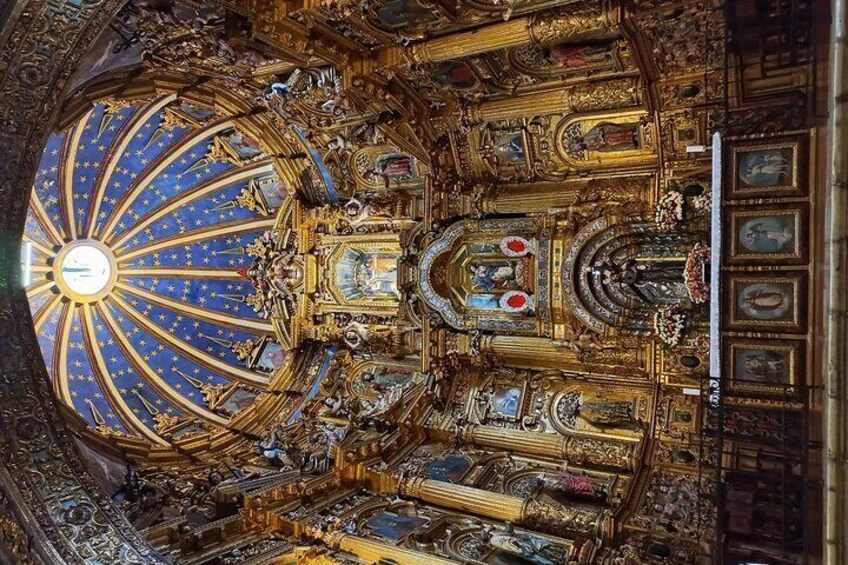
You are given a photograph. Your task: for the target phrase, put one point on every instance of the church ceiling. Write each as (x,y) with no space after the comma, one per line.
(134,245)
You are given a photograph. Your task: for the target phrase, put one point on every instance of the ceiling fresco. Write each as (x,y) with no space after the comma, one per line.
(134,259)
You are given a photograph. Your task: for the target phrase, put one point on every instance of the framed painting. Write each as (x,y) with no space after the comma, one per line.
(771,367)
(450,469)
(455,74)
(771,234)
(767,302)
(767,167)
(394,527)
(506,402)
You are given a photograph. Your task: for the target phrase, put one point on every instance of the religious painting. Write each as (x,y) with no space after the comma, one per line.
(767,302)
(383,166)
(776,167)
(501,275)
(406,14)
(509,148)
(766,366)
(524,548)
(364,274)
(562,59)
(455,74)
(448,469)
(188,430)
(199,114)
(608,137)
(394,166)
(394,527)
(506,402)
(578,56)
(270,357)
(243,146)
(767,234)
(236,401)
(272,191)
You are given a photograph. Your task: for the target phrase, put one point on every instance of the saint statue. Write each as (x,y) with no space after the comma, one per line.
(607,137)
(577,56)
(569,486)
(604,414)
(527,547)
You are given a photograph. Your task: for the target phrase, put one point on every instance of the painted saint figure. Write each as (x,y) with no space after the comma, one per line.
(767,235)
(766,168)
(602,414)
(765,367)
(392,167)
(765,301)
(578,56)
(527,547)
(607,137)
(377,275)
(490,277)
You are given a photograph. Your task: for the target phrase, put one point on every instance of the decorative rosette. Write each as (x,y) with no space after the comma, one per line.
(515,246)
(516,301)
(695,275)
(669,212)
(669,323)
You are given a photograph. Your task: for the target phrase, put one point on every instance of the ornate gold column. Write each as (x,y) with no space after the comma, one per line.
(372,551)
(553,518)
(581,449)
(532,197)
(542,353)
(623,93)
(527,352)
(566,24)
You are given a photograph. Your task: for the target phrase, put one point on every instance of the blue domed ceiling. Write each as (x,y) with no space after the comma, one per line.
(133,260)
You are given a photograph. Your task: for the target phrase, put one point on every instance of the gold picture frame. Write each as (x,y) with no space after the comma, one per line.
(773,234)
(767,302)
(770,367)
(775,167)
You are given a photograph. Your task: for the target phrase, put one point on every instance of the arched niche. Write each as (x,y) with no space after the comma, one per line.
(378,168)
(361,273)
(617,276)
(606,140)
(368,379)
(488,275)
